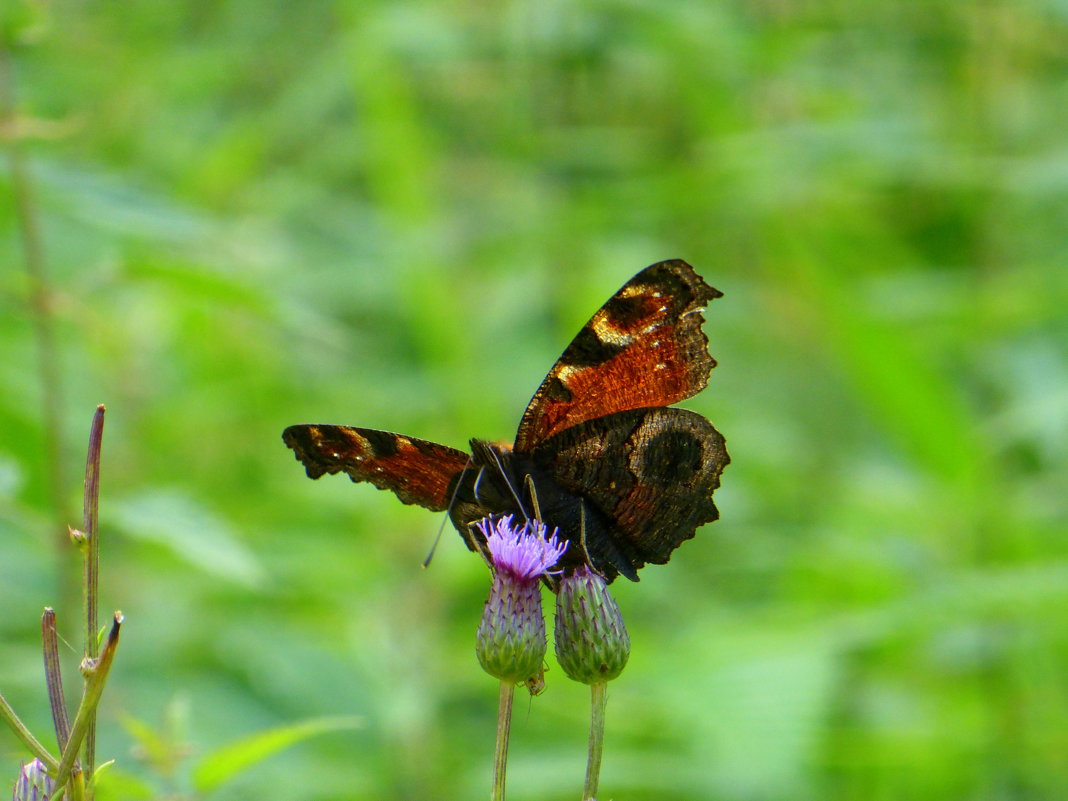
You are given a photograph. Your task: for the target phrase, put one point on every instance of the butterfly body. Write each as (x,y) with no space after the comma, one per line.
(598,454)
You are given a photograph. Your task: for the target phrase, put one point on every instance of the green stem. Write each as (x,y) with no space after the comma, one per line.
(91,563)
(97,676)
(54,677)
(598,701)
(504,728)
(77,784)
(24,734)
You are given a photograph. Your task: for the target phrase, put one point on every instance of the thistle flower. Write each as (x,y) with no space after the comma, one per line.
(592,645)
(511,637)
(33,784)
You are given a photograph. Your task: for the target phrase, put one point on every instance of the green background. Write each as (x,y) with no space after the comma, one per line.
(395,215)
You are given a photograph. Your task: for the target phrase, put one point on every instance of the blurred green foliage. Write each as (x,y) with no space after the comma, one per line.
(258,213)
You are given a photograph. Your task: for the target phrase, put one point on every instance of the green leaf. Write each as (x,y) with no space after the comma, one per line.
(230,760)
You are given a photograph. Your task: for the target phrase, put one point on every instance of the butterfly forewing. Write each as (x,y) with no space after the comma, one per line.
(643,348)
(415,470)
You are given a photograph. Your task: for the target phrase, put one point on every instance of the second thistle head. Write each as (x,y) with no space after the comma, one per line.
(592,644)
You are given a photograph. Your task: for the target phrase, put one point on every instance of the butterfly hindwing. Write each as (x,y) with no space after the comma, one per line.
(643,348)
(415,470)
(649,472)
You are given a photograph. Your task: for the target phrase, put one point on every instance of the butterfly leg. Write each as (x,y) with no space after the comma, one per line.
(582,538)
(532,493)
(475,544)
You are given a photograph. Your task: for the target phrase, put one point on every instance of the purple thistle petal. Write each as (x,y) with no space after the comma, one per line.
(33,784)
(523,552)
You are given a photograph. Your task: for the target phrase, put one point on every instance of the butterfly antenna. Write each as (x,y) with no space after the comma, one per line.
(437,539)
(469,535)
(448,512)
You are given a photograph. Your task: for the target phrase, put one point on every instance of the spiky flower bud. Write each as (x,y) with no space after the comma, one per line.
(34,783)
(592,645)
(511,637)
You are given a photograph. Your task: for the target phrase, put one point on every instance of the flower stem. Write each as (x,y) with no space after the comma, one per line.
(94,687)
(598,700)
(54,677)
(91,567)
(504,728)
(7,714)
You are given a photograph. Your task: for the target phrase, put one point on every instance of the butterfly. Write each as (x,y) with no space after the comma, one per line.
(600,454)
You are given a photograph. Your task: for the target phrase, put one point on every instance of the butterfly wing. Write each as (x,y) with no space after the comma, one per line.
(415,470)
(643,348)
(647,475)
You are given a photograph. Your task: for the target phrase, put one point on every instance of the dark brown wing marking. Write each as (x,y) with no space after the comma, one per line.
(651,472)
(643,348)
(415,470)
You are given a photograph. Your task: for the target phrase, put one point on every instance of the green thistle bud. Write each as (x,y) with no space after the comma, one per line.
(592,645)
(511,637)
(34,783)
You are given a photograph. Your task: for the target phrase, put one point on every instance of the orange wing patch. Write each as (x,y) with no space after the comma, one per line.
(643,348)
(415,470)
